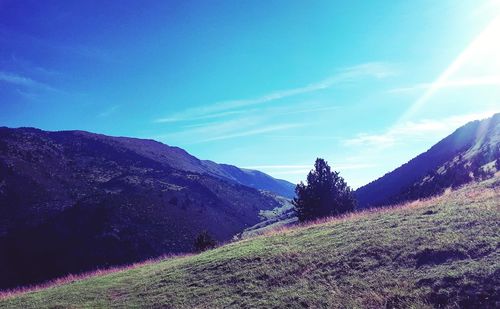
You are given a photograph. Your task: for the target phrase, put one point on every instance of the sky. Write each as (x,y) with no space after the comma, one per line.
(268,85)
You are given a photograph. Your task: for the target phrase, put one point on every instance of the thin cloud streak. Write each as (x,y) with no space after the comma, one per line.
(309,137)
(473,82)
(20,80)
(257,167)
(415,130)
(255,121)
(253,132)
(229,129)
(282,170)
(376,70)
(311,110)
(108,112)
(308,167)
(287,110)
(26,83)
(201,117)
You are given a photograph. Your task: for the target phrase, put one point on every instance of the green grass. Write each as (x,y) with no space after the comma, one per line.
(440,252)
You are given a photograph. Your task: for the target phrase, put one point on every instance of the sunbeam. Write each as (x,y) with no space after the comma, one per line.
(477,65)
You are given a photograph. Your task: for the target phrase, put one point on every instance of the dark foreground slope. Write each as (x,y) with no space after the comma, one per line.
(73,201)
(467,154)
(439,253)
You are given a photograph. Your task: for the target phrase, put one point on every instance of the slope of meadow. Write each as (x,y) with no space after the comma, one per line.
(442,252)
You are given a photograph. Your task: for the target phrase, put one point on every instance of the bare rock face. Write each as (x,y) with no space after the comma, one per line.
(74,201)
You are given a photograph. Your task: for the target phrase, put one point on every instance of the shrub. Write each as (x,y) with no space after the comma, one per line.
(204,241)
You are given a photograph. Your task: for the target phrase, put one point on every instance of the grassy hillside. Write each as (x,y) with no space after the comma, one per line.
(439,252)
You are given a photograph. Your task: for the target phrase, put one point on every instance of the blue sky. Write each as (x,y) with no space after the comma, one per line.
(262,84)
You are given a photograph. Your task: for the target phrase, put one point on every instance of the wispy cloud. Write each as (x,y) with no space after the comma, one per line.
(30,95)
(252,121)
(108,112)
(413,130)
(242,118)
(376,70)
(228,129)
(267,129)
(37,70)
(179,116)
(471,82)
(304,169)
(277,167)
(18,80)
(24,82)
(311,109)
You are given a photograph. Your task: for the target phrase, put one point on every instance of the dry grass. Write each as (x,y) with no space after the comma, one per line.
(366,213)
(70,278)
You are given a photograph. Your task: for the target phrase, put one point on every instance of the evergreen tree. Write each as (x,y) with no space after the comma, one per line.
(325,194)
(204,241)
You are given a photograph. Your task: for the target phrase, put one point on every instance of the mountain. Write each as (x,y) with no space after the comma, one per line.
(179,159)
(470,153)
(72,201)
(438,253)
(255,179)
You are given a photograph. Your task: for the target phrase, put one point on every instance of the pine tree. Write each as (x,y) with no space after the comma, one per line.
(325,194)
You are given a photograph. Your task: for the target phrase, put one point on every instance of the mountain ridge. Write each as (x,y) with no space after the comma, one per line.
(446,164)
(179,158)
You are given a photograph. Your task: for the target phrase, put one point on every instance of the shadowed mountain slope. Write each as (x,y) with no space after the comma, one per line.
(180,159)
(467,154)
(72,201)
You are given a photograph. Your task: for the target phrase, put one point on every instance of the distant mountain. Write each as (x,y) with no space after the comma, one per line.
(179,159)
(255,179)
(71,201)
(472,152)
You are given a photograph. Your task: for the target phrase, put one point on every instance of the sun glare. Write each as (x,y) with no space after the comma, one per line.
(477,65)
